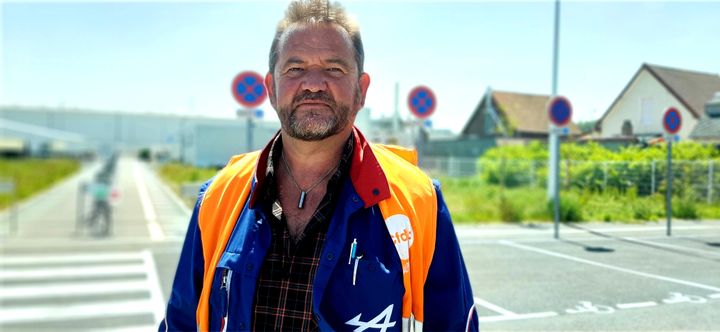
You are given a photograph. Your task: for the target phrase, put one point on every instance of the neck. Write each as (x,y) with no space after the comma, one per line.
(310,159)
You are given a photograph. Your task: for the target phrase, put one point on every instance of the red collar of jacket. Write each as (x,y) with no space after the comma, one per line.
(366,174)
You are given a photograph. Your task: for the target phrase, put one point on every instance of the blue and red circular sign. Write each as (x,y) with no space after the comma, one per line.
(672,121)
(248,89)
(560,111)
(422,102)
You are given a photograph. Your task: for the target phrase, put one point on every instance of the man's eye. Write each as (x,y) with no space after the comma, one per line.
(295,69)
(335,69)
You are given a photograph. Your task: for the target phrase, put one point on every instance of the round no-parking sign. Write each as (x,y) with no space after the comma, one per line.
(248,89)
(560,111)
(422,102)
(672,121)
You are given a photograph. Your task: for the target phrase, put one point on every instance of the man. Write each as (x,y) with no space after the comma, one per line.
(320,230)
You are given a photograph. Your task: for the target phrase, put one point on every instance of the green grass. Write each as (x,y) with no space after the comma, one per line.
(471,200)
(176,174)
(179,173)
(33,175)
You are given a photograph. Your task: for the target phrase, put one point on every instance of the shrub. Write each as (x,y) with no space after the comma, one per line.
(642,210)
(509,210)
(144,154)
(685,208)
(570,207)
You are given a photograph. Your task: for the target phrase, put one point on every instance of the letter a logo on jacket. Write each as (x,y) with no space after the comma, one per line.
(375,322)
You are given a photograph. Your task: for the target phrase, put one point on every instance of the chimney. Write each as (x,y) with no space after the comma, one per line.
(712,108)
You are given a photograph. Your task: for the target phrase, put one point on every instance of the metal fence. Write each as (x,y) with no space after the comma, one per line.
(699,180)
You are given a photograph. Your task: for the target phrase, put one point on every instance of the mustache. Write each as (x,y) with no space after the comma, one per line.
(321,96)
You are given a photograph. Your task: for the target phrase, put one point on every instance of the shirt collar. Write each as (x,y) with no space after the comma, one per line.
(366,175)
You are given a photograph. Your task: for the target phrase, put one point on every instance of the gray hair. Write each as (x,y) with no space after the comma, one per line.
(318,11)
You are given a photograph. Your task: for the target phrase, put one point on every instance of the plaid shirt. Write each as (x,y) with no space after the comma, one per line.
(283,297)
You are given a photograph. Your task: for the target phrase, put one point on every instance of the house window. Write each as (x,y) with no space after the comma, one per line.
(647,107)
(627,128)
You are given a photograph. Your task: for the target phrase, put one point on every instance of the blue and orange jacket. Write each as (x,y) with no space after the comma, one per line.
(412,273)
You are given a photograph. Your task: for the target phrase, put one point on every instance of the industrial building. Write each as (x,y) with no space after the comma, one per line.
(168,136)
(197,140)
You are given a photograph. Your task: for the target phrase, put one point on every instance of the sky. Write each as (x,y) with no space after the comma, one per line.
(181,57)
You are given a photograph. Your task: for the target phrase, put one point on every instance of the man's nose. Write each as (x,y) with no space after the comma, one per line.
(314,81)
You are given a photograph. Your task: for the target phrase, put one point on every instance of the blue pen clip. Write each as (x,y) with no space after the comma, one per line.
(353,249)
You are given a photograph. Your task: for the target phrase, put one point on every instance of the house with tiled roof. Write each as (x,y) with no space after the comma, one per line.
(638,109)
(511,116)
(708,127)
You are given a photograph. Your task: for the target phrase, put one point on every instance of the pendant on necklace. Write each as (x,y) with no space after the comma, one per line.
(301,201)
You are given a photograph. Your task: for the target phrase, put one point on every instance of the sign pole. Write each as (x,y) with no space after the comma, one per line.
(668,195)
(672,122)
(556,180)
(553,174)
(249,131)
(422,103)
(560,113)
(248,91)
(421,143)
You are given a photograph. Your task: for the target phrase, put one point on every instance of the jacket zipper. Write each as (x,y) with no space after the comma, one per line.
(225,285)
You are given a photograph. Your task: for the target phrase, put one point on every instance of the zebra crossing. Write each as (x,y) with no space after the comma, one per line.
(103,291)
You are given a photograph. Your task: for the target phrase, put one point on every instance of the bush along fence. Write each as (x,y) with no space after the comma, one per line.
(598,184)
(699,180)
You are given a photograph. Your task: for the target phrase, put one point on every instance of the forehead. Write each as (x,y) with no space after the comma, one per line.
(313,39)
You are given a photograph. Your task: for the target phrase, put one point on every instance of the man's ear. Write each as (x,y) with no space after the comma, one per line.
(363,84)
(270,88)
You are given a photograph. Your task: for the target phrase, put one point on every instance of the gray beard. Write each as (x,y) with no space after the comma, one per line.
(316,129)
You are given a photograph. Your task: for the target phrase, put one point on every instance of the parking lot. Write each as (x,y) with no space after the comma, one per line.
(596,276)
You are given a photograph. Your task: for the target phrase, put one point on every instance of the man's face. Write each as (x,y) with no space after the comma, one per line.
(315,88)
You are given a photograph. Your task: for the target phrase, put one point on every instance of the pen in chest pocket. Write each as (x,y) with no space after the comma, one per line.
(353,249)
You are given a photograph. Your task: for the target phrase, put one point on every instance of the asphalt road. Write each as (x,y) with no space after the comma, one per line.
(57,276)
(595,277)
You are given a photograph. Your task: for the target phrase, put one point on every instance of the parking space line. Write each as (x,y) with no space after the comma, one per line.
(493,307)
(636,305)
(607,266)
(507,314)
(714,296)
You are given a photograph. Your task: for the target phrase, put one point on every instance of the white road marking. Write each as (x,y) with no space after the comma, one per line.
(134,328)
(156,296)
(607,266)
(585,307)
(76,271)
(636,305)
(71,289)
(493,307)
(714,296)
(22,260)
(705,252)
(70,312)
(517,317)
(507,314)
(156,232)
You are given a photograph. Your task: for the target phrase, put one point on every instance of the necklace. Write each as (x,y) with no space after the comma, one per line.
(303,193)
